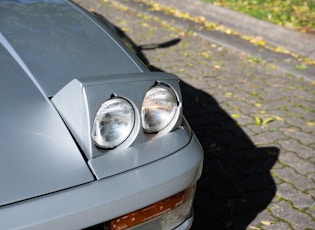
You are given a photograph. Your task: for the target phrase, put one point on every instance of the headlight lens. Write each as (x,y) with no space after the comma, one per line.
(158,108)
(113,123)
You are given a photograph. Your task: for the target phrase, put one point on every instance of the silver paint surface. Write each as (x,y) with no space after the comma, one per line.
(58,43)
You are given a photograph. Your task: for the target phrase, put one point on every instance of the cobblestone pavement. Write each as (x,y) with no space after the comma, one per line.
(255,122)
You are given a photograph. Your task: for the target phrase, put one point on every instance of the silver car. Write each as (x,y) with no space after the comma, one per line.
(89,136)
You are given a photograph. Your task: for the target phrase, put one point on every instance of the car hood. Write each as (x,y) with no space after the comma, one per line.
(38,154)
(43,46)
(59,41)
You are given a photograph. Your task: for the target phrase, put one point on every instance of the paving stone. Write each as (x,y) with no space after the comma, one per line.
(300,165)
(304,138)
(289,175)
(311,192)
(300,93)
(242,120)
(249,132)
(267,222)
(268,138)
(297,220)
(276,226)
(277,125)
(299,199)
(277,181)
(311,209)
(311,176)
(301,150)
(264,217)
(300,123)
(303,111)
(273,104)
(248,109)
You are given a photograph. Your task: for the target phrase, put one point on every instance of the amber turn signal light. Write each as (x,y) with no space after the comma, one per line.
(152,211)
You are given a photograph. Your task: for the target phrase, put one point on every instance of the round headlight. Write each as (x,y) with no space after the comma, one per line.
(113,123)
(158,108)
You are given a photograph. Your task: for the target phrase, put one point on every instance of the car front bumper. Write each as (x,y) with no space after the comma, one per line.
(96,202)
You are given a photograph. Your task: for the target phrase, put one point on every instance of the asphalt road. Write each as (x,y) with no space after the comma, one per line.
(255,119)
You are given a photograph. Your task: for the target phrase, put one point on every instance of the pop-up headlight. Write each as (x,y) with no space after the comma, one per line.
(109,114)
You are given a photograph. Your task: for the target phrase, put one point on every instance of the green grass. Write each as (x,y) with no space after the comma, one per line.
(296,14)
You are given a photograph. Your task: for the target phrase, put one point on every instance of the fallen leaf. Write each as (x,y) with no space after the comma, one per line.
(278,118)
(301,67)
(267,223)
(235,115)
(268,120)
(205,54)
(291,130)
(258,121)
(228,31)
(254,228)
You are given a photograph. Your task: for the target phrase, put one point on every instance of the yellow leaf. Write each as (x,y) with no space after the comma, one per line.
(123,22)
(280,49)
(235,115)
(144,24)
(310,123)
(200,19)
(254,228)
(268,120)
(277,118)
(258,121)
(228,31)
(291,130)
(205,54)
(217,67)
(267,223)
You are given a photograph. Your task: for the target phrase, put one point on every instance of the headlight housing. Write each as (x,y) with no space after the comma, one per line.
(113,123)
(78,103)
(159,107)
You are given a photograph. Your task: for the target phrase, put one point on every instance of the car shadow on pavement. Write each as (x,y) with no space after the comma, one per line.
(236,184)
